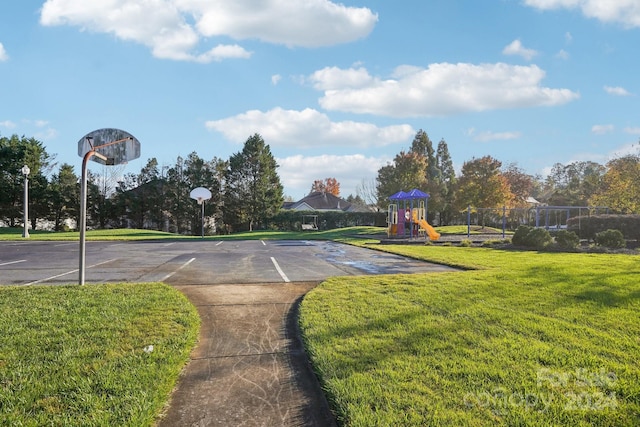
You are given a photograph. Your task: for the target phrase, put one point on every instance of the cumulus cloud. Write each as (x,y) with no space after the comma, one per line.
(602,129)
(3,53)
(307,129)
(298,172)
(174,29)
(616,90)
(516,48)
(562,54)
(626,12)
(487,136)
(442,89)
(275,79)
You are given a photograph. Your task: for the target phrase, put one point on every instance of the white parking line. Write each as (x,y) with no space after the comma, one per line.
(179,268)
(64,274)
(13,262)
(263,243)
(284,276)
(219,243)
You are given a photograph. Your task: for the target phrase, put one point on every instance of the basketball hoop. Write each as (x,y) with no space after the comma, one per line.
(201,194)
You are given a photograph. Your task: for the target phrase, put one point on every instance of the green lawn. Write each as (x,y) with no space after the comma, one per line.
(530,339)
(73,355)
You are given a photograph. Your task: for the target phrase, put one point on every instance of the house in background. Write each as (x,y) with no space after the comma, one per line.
(321,201)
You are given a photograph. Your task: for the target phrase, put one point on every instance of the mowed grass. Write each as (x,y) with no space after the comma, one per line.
(72,355)
(8,233)
(526,339)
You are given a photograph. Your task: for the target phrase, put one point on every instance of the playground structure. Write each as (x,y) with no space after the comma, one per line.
(410,219)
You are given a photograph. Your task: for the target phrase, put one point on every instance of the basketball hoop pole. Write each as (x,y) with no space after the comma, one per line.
(83,210)
(202,218)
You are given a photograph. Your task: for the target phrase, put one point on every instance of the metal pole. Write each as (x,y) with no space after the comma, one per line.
(83,211)
(203,219)
(504,220)
(25,231)
(469,222)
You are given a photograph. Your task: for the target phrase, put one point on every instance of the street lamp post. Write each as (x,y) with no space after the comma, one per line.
(25,172)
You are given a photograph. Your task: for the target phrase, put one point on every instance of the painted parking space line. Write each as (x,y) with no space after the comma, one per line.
(12,262)
(263,243)
(284,276)
(219,243)
(64,274)
(168,276)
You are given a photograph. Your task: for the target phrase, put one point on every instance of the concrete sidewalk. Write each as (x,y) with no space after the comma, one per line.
(249,368)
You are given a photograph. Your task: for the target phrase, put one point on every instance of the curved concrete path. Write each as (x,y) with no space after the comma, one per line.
(249,368)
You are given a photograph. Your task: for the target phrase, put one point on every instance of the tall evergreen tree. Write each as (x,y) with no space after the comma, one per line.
(447,183)
(406,173)
(64,197)
(253,191)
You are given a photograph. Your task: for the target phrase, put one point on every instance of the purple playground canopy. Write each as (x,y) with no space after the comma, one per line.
(411,195)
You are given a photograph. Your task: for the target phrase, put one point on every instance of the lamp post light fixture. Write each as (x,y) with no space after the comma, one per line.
(26,171)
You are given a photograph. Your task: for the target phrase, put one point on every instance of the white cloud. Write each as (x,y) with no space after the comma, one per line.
(487,136)
(562,54)
(297,173)
(602,129)
(632,130)
(626,12)
(7,124)
(617,90)
(174,29)
(3,53)
(275,79)
(516,48)
(442,89)
(307,129)
(568,37)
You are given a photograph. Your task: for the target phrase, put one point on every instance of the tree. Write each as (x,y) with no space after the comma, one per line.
(367,192)
(448,182)
(573,184)
(620,190)
(329,185)
(253,191)
(482,185)
(64,197)
(406,173)
(521,185)
(15,152)
(422,145)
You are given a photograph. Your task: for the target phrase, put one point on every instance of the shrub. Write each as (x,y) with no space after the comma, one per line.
(538,238)
(610,239)
(465,243)
(519,237)
(588,226)
(567,239)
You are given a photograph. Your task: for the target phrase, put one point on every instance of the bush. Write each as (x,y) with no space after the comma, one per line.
(588,226)
(519,237)
(610,239)
(567,239)
(465,243)
(538,238)
(531,237)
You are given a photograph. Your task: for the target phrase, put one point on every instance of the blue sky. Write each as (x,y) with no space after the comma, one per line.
(335,89)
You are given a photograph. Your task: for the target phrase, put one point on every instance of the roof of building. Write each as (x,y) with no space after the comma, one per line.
(320,201)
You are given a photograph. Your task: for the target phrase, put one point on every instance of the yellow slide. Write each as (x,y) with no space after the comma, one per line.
(431,232)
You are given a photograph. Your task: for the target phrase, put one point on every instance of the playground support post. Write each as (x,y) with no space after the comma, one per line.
(504,220)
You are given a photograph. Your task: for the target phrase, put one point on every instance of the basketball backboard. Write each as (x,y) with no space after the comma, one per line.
(200,194)
(116,145)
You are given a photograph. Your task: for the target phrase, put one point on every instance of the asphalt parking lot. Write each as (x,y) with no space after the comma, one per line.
(249,367)
(196,262)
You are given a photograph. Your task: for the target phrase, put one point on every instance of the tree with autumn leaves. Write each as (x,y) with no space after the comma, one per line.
(328,185)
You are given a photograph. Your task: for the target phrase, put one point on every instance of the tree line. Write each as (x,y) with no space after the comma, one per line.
(485,183)
(247,192)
